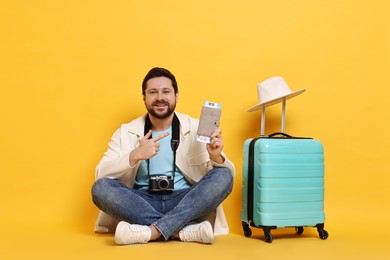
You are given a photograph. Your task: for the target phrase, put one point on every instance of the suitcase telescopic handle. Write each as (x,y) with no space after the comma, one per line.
(262,126)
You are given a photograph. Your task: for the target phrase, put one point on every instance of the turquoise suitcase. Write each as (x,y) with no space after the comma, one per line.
(283,184)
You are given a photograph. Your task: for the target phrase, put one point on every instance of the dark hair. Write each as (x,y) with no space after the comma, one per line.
(159,72)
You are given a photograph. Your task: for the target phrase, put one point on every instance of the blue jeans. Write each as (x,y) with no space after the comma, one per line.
(168,212)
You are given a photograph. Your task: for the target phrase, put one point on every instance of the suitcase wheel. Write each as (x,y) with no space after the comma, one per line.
(247,230)
(299,230)
(323,233)
(267,233)
(268,236)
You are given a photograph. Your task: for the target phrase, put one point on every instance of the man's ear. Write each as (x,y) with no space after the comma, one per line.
(177,97)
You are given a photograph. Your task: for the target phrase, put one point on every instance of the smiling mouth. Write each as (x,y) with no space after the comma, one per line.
(160,104)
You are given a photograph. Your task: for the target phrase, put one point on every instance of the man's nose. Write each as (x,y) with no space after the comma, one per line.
(160,95)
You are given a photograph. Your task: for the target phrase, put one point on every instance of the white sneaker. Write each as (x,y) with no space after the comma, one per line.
(202,232)
(126,234)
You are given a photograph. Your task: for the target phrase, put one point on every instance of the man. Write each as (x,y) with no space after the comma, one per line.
(158,185)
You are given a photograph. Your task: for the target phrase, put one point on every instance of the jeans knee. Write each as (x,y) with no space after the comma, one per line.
(98,188)
(229,180)
(224,178)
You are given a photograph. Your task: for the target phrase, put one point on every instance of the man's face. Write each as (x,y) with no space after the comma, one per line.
(160,98)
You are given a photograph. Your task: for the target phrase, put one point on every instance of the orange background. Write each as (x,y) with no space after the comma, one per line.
(71,73)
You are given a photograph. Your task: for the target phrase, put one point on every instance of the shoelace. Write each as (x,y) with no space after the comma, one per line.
(141,233)
(192,233)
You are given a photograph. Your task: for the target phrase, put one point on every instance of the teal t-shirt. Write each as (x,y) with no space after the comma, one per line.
(160,164)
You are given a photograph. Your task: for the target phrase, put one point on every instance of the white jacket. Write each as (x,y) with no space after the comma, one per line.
(192,159)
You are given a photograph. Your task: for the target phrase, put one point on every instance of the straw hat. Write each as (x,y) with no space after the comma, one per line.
(272,91)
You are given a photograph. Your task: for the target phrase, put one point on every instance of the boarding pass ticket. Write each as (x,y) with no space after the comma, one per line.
(209,120)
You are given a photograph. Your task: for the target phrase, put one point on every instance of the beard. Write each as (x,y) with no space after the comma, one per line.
(161,115)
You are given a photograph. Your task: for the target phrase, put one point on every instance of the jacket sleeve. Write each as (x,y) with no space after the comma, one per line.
(115,162)
(227,163)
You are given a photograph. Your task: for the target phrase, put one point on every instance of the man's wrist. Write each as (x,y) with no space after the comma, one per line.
(133,159)
(218,159)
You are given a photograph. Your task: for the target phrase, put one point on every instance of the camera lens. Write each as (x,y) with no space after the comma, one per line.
(163,184)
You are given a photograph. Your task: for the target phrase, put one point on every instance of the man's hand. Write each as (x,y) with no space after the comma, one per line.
(215,146)
(147,148)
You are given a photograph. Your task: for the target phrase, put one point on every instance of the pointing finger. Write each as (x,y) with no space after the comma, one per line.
(157,138)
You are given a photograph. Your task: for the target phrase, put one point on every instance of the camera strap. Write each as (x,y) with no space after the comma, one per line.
(175,140)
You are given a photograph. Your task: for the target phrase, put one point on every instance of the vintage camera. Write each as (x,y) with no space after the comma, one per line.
(161,183)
